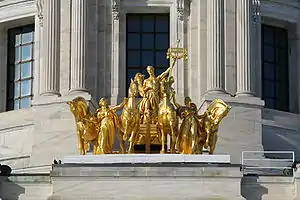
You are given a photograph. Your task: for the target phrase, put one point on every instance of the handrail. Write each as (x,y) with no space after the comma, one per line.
(282,160)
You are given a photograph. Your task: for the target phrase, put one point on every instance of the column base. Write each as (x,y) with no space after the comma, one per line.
(245,94)
(78,91)
(217,91)
(50,93)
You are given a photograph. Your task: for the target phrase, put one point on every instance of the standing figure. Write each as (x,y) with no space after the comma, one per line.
(209,122)
(149,91)
(187,141)
(129,119)
(167,121)
(107,123)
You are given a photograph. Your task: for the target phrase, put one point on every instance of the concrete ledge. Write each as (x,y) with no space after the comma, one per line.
(145,158)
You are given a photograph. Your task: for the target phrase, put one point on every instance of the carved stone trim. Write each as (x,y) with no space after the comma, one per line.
(115,6)
(255,11)
(39,6)
(180,9)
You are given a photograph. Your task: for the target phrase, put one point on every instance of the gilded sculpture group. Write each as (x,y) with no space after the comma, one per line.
(151,119)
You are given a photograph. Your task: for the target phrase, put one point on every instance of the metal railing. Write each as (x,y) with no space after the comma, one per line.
(268,162)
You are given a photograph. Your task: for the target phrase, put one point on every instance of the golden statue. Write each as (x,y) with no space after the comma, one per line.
(209,124)
(129,119)
(97,129)
(86,132)
(167,121)
(189,132)
(149,91)
(150,120)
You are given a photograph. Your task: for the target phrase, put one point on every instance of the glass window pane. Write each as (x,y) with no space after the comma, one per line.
(281,55)
(268,34)
(281,90)
(148,41)
(162,41)
(269,52)
(18,39)
(133,24)
(26,52)
(162,24)
(147,58)
(269,71)
(159,71)
(26,87)
(269,89)
(26,70)
(161,60)
(27,37)
(281,73)
(25,102)
(17,89)
(17,54)
(133,41)
(148,23)
(270,103)
(16,104)
(281,37)
(17,72)
(133,59)
(130,74)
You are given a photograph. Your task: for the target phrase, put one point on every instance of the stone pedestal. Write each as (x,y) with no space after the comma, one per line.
(145,158)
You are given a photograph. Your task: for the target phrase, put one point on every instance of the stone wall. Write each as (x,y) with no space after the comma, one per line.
(91,182)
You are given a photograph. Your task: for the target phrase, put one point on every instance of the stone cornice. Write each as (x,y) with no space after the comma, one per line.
(15,9)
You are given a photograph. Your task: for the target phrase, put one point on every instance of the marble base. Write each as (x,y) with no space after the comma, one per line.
(145,158)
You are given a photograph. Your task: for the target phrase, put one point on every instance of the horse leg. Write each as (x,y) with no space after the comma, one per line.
(212,143)
(133,139)
(163,138)
(173,138)
(122,142)
(125,133)
(80,143)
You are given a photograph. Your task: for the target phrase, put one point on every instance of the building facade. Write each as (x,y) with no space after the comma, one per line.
(245,52)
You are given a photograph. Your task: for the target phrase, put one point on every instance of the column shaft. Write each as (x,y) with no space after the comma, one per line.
(50,69)
(243,41)
(215,47)
(78,45)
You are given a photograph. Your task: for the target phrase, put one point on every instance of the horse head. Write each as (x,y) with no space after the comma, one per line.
(78,107)
(133,89)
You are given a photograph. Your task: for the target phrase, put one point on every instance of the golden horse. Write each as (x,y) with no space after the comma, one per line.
(209,124)
(129,120)
(167,121)
(86,131)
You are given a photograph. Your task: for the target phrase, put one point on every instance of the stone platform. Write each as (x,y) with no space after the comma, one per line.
(145,158)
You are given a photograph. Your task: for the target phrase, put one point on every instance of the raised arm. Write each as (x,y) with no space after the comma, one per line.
(118,107)
(164,74)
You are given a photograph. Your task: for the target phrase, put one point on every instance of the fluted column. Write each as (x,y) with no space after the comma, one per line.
(215,47)
(50,69)
(244,33)
(78,45)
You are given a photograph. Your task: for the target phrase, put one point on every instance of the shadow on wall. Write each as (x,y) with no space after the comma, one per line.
(251,189)
(10,190)
(280,139)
